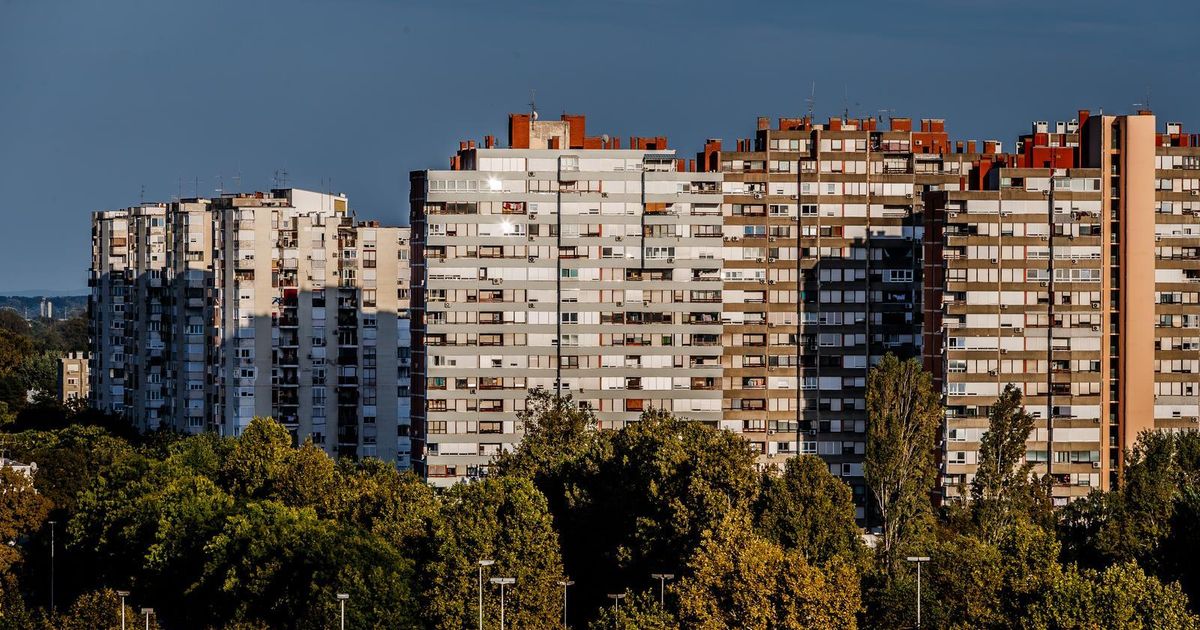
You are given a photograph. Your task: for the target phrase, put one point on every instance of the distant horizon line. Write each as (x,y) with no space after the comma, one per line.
(45,293)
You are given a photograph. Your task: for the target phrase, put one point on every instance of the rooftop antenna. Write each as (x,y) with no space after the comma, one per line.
(1144,105)
(281,178)
(142,196)
(533,104)
(812,101)
(220,184)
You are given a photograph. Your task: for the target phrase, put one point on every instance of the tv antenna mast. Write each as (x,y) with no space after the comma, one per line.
(533,104)
(812,101)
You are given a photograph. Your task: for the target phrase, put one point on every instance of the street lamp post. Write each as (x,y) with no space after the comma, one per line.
(502,581)
(662,585)
(616,597)
(342,597)
(482,563)
(565,583)
(52,524)
(122,595)
(919,560)
(147,612)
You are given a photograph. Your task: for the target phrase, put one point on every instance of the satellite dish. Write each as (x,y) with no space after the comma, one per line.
(604,138)
(535,115)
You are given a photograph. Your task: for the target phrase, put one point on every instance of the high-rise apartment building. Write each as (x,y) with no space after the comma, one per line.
(1072,273)
(129,249)
(822,275)
(206,313)
(566,263)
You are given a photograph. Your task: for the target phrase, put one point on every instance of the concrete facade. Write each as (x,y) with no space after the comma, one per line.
(266,304)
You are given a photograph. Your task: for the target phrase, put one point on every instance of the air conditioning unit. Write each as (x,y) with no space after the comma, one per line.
(1096,465)
(604,195)
(770,260)
(532,258)
(991,372)
(1019,331)
(620,238)
(1045,238)
(995,261)
(1095,328)
(795,196)
(1003,350)
(530,173)
(908,195)
(794,219)
(759,259)
(770,282)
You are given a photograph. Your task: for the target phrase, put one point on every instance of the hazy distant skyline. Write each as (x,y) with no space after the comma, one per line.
(103,98)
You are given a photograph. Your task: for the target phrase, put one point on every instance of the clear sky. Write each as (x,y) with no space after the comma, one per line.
(100,98)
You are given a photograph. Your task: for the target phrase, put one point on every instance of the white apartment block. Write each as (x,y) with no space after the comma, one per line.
(267,304)
(594,272)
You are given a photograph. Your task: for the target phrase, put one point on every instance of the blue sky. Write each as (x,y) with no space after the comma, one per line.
(99,98)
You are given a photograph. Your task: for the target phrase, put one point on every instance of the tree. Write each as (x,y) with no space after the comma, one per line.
(38,374)
(100,610)
(641,499)
(1123,597)
(557,434)
(13,350)
(1002,490)
(738,579)
(809,510)
(504,519)
(22,512)
(640,611)
(258,460)
(283,566)
(375,496)
(903,416)
(12,323)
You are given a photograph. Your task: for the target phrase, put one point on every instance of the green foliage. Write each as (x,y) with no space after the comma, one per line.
(1123,597)
(253,532)
(100,610)
(640,611)
(283,566)
(899,466)
(504,519)
(807,509)
(557,435)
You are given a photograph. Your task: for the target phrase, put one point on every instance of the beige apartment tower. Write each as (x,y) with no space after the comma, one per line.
(1073,275)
